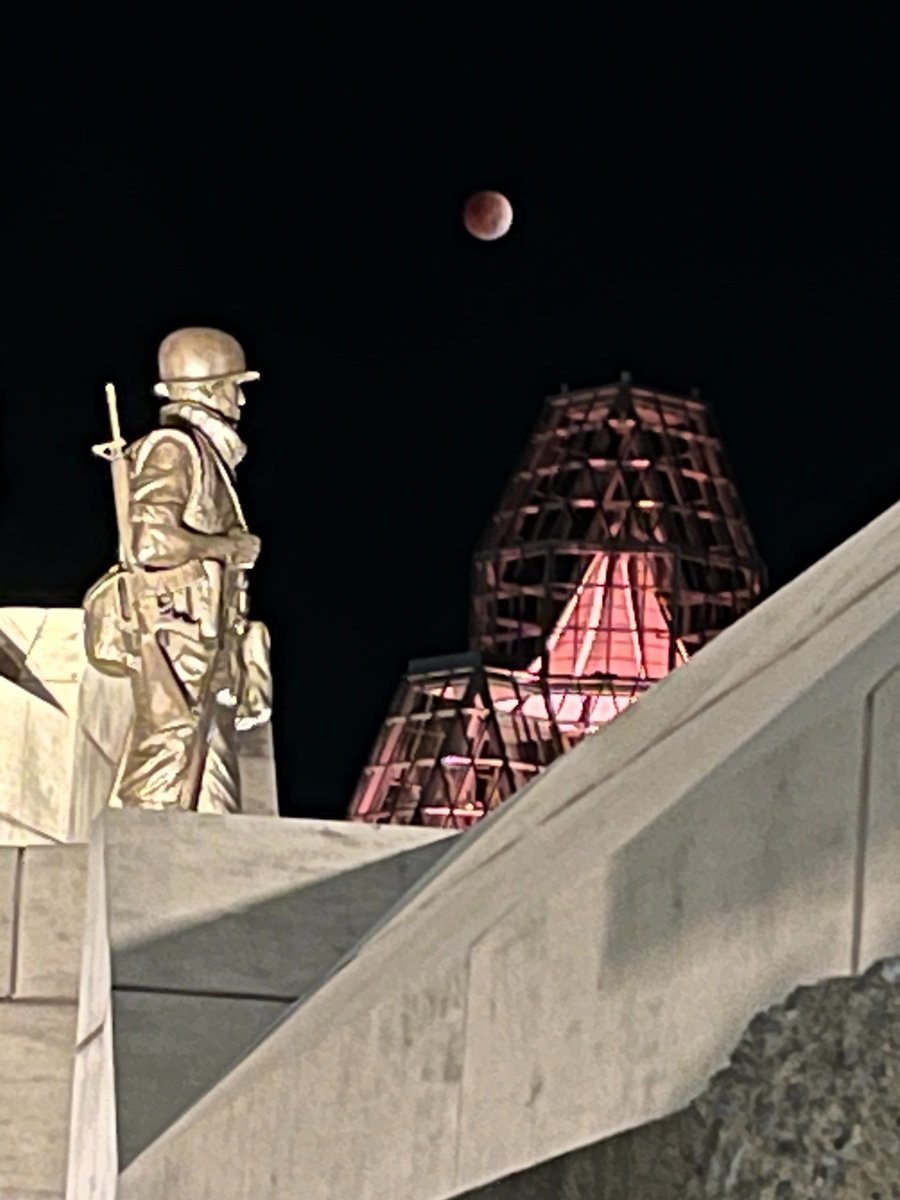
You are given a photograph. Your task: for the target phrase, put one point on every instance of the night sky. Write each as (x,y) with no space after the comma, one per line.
(702,203)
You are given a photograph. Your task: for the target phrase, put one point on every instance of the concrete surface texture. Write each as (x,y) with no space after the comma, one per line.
(203,931)
(41,669)
(63,728)
(42,913)
(808,1106)
(92,1158)
(648,1163)
(584,960)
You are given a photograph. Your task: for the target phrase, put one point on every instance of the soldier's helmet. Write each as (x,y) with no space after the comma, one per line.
(196,356)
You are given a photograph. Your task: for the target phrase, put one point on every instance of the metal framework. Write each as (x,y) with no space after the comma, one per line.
(619,548)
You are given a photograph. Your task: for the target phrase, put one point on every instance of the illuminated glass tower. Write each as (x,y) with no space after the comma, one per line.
(618,549)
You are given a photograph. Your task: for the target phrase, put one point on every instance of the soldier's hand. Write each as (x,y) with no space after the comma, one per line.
(244,548)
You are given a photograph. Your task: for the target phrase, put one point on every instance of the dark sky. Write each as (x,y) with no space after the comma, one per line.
(703,203)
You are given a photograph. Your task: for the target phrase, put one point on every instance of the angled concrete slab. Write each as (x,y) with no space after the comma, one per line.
(647,1163)
(201,932)
(19,627)
(16,833)
(169,1050)
(223,904)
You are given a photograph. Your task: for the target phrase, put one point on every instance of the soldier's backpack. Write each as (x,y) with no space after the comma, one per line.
(111,638)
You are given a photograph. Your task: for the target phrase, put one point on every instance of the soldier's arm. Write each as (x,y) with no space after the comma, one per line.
(160,492)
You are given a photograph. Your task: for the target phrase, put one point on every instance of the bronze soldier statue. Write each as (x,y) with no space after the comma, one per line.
(173,614)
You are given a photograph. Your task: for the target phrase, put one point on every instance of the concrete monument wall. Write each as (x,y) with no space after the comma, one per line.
(42,915)
(586,958)
(202,932)
(135,971)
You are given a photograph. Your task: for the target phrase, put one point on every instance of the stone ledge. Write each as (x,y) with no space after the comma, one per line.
(42,909)
(50,1001)
(10,867)
(51,920)
(266,888)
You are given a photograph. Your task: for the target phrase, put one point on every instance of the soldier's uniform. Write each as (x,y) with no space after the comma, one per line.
(190,609)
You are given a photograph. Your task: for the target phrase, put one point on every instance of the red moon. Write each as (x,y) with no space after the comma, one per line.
(487,216)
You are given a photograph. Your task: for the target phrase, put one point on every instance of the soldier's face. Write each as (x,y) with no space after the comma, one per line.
(229,401)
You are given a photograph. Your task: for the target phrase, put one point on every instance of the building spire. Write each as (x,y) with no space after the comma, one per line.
(618,549)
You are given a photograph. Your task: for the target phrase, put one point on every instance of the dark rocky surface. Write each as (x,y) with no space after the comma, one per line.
(809,1105)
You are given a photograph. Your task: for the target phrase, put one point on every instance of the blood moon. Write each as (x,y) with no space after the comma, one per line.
(487,216)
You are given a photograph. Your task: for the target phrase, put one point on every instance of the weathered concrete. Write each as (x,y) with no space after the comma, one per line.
(170,1049)
(224,904)
(36,1048)
(55,774)
(809,1105)
(585,959)
(256,764)
(651,1162)
(63,728)
(9,886)
(201,931)
(52,897)
(13,833)
(93,1161)
(207,926)
(42,906)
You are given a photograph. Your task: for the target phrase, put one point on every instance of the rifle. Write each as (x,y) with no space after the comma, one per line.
(110,633)
(113,453)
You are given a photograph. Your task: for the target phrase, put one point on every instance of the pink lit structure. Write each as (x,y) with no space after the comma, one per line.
(619,548)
